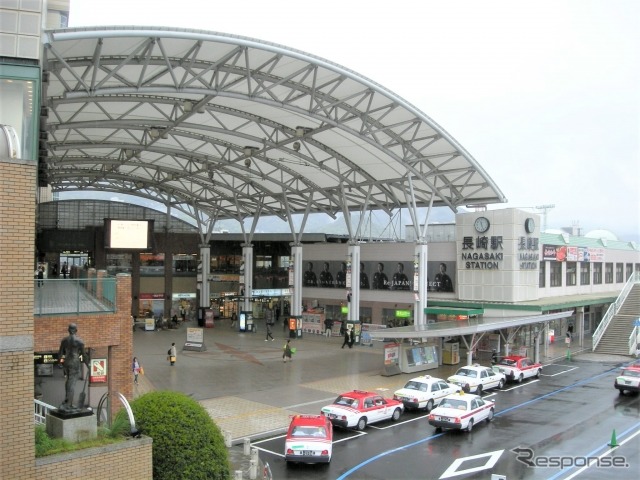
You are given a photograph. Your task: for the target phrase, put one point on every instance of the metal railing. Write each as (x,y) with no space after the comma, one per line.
(40,410)
(634,340)
(614,308)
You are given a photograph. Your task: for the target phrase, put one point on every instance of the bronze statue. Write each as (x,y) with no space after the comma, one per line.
(72,354)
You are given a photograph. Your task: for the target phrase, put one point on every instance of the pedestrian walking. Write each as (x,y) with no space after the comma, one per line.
(136,368)
(287,352)
(328,325)
(172,354)
(352,337)
(269,336)
(40,276)
(347,337)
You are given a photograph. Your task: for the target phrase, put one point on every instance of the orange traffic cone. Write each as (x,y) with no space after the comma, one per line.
(614,441)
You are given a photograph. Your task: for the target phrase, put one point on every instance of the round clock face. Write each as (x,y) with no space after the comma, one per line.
(481,224)
(529,225)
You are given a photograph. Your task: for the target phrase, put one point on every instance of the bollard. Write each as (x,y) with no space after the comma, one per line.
(247,446)
(238,475)
(253,469)
(254,455)
(227,439)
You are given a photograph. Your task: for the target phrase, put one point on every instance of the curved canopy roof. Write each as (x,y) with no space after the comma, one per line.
(220,126)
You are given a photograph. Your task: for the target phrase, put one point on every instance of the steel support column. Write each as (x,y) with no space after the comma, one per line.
(296,284)
(247,258)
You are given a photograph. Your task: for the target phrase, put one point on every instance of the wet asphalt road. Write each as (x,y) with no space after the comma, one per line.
(568,417)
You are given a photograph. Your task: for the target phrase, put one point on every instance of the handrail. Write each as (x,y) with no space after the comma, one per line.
(634,339)
(40,411)
(614,308)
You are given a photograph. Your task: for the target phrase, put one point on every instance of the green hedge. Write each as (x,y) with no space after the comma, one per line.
(187,444)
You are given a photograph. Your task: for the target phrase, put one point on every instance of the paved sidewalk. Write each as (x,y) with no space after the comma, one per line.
(242,382)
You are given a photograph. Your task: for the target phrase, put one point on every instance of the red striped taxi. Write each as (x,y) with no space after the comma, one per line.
(517,368)
(461,411)
(309,439)
(356,409)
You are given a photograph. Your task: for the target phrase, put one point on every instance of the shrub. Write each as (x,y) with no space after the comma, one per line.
(187,444)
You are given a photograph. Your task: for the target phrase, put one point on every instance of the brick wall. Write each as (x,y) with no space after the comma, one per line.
(17,240)
(130,460)
(110,334)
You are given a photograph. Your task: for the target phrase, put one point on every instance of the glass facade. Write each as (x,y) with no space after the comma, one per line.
(20,100)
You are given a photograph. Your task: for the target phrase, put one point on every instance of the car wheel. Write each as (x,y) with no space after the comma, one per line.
(362,424)
(538,374)
(429,406)
(500,384)
(490,416)
(470,425)
(479,390)
(396,415)
(520,378)
(438,429)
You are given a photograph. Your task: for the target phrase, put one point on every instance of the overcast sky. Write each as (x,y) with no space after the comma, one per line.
(545,95)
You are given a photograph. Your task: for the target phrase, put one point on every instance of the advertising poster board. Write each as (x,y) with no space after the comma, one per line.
(98,369)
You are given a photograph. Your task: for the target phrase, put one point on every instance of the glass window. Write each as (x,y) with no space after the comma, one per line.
(184,263)
(19,99)
(629,270)
(608,272)
(555,277)
(542,274)
(597,273)
(619,272)
(118,263)
(151,264)
(571,274)
(585,273)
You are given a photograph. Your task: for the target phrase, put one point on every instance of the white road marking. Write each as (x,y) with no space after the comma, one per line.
(492,459)
(569,369)
(520,385)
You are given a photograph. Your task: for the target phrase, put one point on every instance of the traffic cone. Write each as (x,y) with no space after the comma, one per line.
(614,442)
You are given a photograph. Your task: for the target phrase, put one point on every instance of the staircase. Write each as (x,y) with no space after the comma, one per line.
(615,339)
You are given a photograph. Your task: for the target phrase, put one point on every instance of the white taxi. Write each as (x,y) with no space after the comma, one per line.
(629,380)
(461,411)
(309,439)
(424,392)
(358,408)
(476,378)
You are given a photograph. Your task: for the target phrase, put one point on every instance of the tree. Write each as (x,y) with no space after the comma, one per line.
(187,444)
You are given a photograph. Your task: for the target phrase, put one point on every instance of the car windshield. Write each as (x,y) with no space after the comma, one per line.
(413,385)
(301,431)
(631,373)
(465,372)
(454,403)
(508,362)
(347,401)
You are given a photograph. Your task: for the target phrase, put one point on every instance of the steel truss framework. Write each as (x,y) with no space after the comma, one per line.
(219,126)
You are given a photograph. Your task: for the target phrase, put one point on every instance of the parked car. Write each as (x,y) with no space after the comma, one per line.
(476,378)
(357,409)
(628,380)
(516,368)
(461,411)
(424,392)
(309,439)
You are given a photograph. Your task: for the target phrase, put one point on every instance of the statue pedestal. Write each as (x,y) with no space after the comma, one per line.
(74,427)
